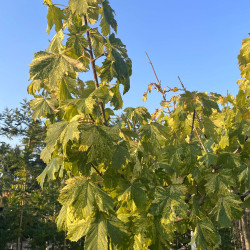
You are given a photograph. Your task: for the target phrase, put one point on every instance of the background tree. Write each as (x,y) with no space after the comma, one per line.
(28,213)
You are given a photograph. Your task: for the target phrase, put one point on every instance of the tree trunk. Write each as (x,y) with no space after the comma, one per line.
(241,236)
(65,242)
(19,243)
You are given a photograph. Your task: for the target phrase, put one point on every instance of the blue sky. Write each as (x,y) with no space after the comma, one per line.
(198,40)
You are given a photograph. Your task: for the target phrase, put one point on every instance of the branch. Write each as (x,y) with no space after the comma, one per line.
(98,57)
(158,84)
(245,194)
(153,69)
(58,4)
(238,150)
(101,106)
(191,134)
(84,57)
(88,57)
(182,84)
(92,119)
(98,172)
(242,196)
(200,139)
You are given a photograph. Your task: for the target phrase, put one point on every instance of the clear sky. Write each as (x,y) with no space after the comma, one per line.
(197,39)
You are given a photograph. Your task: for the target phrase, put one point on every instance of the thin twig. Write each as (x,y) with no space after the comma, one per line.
(84,57)
(174,101)
(191,134)
(158,85)
(58,4)
(92,119)
(153,69)
(91,60)
(98,57)
(98,172)
(182,84)
(200,139)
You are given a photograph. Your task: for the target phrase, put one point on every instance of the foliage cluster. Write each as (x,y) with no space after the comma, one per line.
(138,181)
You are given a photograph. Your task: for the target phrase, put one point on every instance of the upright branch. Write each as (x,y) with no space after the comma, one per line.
(158,84)
(97,171)
(92,62)
(201,142)
(192,128)
(182,84)
(153,69)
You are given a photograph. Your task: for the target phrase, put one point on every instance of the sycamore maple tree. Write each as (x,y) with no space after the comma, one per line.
(137,181)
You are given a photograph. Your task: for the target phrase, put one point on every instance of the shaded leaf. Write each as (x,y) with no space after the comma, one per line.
(226,209)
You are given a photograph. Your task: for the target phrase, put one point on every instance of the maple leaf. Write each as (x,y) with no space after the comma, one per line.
(219,182)
(107,18)
(226,209)
(98,141)
(62,132)
(135,192)
(42,107)
(170,203)
(54,17)
(55,166)
(56,45)
(83,196)
(205,235)
(53,66)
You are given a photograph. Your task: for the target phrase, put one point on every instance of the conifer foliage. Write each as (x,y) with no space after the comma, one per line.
(137,182)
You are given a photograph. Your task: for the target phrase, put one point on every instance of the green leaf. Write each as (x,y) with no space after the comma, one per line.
(77,229)
(66,87)
(50,171)
(117,99)
(96,237)
(107,19)
(42,107)
(98,141)
(53,66)
(56,45)
(78,42)
(170,203)
(103,93)
(98,42)
(204,235)
(120,156)
(78,6)
(117,230)
(62,132)
(209,159)
(35,86)
(219,182)
(208,106)
(117,64)
(83,196)
(136,193)
(54,17)
(224,141)
(45,155)
(226,209)
(244,175)
(196,213)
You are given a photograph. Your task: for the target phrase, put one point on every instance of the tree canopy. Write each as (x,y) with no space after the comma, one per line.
(139,180)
